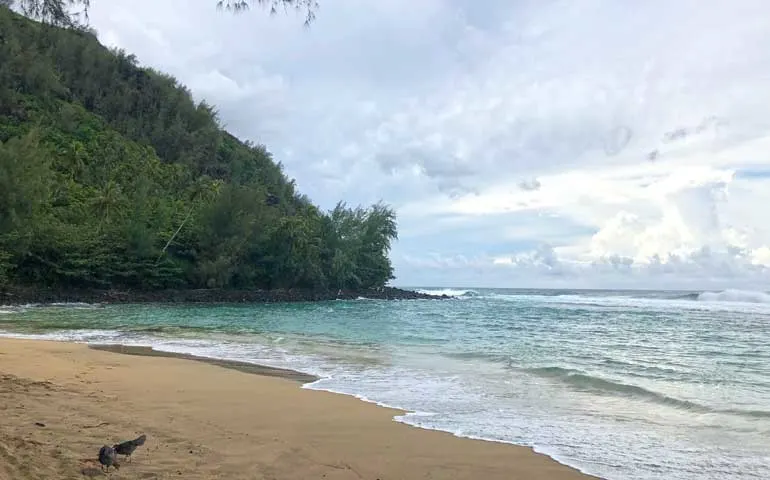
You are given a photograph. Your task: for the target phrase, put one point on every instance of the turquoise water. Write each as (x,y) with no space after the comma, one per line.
(625,385)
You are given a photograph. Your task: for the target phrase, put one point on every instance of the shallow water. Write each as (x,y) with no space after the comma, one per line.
(626,385)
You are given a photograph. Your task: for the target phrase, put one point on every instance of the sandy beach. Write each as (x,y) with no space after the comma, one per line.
(61,402)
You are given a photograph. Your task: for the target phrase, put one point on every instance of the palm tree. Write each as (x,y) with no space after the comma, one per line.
(203,191)
(109,198)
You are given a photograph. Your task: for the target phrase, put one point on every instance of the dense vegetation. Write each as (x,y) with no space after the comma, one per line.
(111,176)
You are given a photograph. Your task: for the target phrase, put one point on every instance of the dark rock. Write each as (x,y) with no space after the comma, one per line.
(31,295)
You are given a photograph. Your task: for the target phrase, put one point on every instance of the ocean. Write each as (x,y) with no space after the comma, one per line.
(620,384)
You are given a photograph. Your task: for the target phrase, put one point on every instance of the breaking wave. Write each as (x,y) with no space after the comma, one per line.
(744,296)
(589,383)
(449,292)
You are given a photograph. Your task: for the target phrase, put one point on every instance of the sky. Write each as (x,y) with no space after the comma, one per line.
(542,143)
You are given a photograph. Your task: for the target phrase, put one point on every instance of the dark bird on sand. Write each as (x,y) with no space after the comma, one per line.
(108,457)
(127,448)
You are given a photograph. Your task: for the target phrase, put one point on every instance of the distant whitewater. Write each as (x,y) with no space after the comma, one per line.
(735,296)
(449,292)
(745,296)
(621,384)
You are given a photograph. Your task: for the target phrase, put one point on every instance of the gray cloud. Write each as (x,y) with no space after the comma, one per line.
(530,185)
(425,104)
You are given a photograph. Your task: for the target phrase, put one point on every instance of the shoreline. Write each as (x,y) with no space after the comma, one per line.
(245,367)
(339,429)
(12,296)
(305,379)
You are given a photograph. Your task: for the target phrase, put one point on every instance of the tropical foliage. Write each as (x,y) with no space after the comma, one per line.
(111,176)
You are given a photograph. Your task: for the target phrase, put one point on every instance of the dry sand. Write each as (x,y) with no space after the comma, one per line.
(60,402)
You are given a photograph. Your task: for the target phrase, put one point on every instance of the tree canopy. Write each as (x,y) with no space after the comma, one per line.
(112,176)
(75,12)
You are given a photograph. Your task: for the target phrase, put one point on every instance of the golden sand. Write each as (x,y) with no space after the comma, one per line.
(60,402)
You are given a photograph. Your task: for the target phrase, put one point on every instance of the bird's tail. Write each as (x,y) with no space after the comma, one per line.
(140,440)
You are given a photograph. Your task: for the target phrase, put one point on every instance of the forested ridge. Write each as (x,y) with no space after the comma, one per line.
(111,176)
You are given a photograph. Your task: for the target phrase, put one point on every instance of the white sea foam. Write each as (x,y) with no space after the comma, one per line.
(457,404)
(743,296)
(86,336)
(476,390)
(5,309)
(449,292)
(727,301)
(76,305)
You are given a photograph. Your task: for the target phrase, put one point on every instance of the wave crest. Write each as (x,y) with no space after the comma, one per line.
(589,383)
(743,296)
(449,292)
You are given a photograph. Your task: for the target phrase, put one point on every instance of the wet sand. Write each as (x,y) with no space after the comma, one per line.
(60,402)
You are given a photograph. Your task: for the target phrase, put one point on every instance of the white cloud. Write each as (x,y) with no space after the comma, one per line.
(531,142)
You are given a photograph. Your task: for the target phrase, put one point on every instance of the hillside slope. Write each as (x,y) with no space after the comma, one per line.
(111,176)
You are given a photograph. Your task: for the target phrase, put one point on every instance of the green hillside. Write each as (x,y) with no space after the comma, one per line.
(111,176)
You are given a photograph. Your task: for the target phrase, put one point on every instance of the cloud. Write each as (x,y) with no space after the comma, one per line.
(550,142)
(533,184)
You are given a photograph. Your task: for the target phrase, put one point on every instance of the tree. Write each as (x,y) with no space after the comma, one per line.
(24,193)
(111,176)
(72,13)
